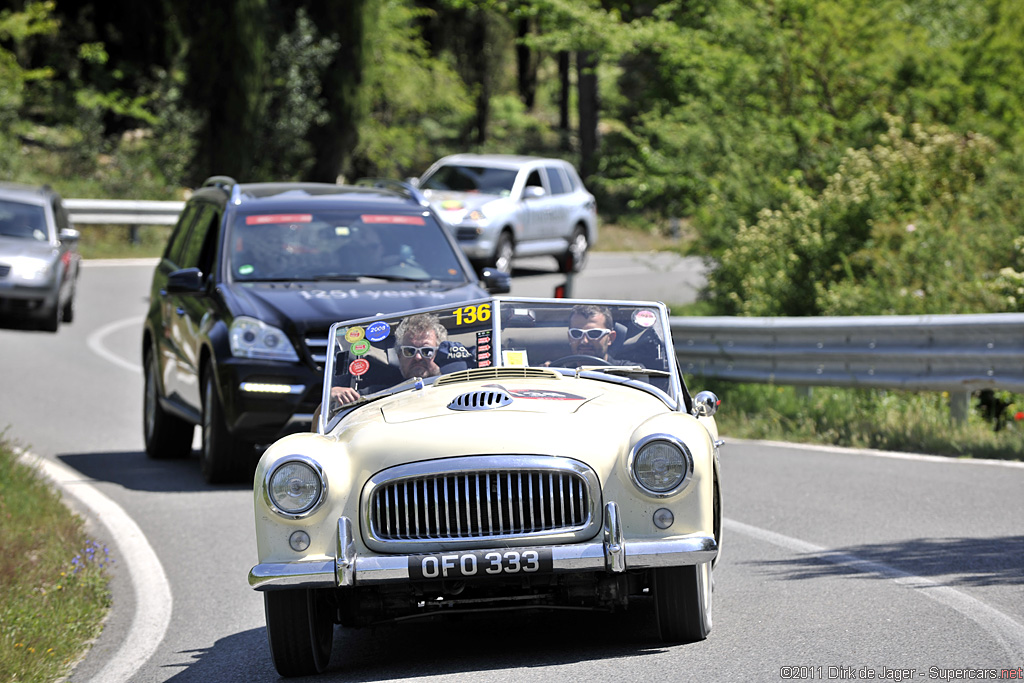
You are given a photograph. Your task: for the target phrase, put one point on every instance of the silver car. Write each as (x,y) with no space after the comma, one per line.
(502,206)
(39,257)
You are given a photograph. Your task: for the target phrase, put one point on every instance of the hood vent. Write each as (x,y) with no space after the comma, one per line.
(481,399)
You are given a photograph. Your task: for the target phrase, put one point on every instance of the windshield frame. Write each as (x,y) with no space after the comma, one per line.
(501,326)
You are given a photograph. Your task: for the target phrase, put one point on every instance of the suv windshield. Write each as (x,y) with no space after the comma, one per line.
(26,221)
(497,181)
(631,341)
(340,245)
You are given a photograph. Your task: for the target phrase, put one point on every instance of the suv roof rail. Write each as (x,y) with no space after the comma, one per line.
(403,188)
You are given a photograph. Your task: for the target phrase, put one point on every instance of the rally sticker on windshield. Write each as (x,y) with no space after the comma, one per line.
(272,218)
(393,220)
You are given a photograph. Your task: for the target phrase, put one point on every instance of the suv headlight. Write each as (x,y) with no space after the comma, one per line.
(296,487)
(31,269)
(660,465)
(252,338)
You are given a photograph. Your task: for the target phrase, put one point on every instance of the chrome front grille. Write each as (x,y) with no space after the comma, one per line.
(461,501)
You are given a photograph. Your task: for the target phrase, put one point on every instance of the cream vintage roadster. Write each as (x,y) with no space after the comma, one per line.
(528,452)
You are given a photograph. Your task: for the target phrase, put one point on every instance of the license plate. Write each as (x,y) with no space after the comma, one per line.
(481,563)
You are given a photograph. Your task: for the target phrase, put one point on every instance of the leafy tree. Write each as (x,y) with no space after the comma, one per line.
(226,52)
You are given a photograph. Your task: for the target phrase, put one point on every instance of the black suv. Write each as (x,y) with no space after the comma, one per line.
(241,302)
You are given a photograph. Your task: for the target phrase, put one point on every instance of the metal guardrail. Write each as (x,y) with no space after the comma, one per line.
(954,353)
(131,212)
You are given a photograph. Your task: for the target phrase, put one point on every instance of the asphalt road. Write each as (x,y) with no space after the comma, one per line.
(836,564)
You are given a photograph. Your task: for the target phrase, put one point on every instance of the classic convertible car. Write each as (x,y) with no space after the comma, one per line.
(503,452)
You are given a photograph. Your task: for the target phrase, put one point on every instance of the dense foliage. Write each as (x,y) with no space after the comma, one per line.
(827,156)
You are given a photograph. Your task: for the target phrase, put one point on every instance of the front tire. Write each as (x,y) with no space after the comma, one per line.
(575,257)
(300,631)
(166,436)
(503,253)
(682,602)
(225,459)
(50,320)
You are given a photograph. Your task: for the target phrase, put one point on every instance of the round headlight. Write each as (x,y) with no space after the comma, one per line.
(295,487)
(661,466)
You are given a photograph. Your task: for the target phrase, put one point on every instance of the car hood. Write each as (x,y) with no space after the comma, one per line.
(319,304)
(447,202)
(557,415)
(16,247)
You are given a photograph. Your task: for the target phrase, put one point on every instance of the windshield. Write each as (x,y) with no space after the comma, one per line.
(627,340)
(340,245)
(26,221)
(496,181)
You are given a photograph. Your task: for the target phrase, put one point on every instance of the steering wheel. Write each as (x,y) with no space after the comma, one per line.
(579,359)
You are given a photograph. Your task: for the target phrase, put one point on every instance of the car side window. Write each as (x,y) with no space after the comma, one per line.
(198,252)
(534,179)
(555,179)
(177,242)
(60,216)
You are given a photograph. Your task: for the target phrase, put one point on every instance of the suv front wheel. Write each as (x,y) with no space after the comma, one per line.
(165,435)
(225,459)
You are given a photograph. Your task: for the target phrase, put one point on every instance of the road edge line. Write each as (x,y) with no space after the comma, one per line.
(153,599)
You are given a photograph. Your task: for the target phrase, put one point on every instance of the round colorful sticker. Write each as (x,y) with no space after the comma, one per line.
(378,331)
(354,334)
(644,318)
(359,366)
(360,348)
(245,269)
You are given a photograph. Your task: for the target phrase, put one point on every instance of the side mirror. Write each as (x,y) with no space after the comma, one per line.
(495,281)
(533,192)
(69,235)
(705,404)
(185,281)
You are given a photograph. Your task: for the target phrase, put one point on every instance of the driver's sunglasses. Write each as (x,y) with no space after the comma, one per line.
(410,351)
(593,333)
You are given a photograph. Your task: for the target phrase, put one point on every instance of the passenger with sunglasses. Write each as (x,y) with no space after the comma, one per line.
(417,340)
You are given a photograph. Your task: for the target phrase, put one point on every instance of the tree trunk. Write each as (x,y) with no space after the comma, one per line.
(225,83)
(526,64)
(334,141)
(589,111)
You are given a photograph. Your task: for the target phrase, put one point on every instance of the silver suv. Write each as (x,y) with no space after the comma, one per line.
(38,257)
(502,206)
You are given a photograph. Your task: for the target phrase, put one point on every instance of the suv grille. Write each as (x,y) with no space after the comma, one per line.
(481,497)
(316,344)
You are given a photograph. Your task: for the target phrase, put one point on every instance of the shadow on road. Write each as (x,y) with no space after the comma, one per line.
(955,561)
(472,644)
(133,470)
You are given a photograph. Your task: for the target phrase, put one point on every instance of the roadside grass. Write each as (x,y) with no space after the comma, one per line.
(912,422)
(115,241)
(53,582)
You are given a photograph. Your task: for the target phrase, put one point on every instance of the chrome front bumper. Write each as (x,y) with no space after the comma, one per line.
(612,554)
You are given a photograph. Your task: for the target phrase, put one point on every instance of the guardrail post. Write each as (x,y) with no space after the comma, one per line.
(133,234)
(959,404)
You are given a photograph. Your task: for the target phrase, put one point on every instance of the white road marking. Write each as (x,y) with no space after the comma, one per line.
(1007,632)
(153,600)
(96,339)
